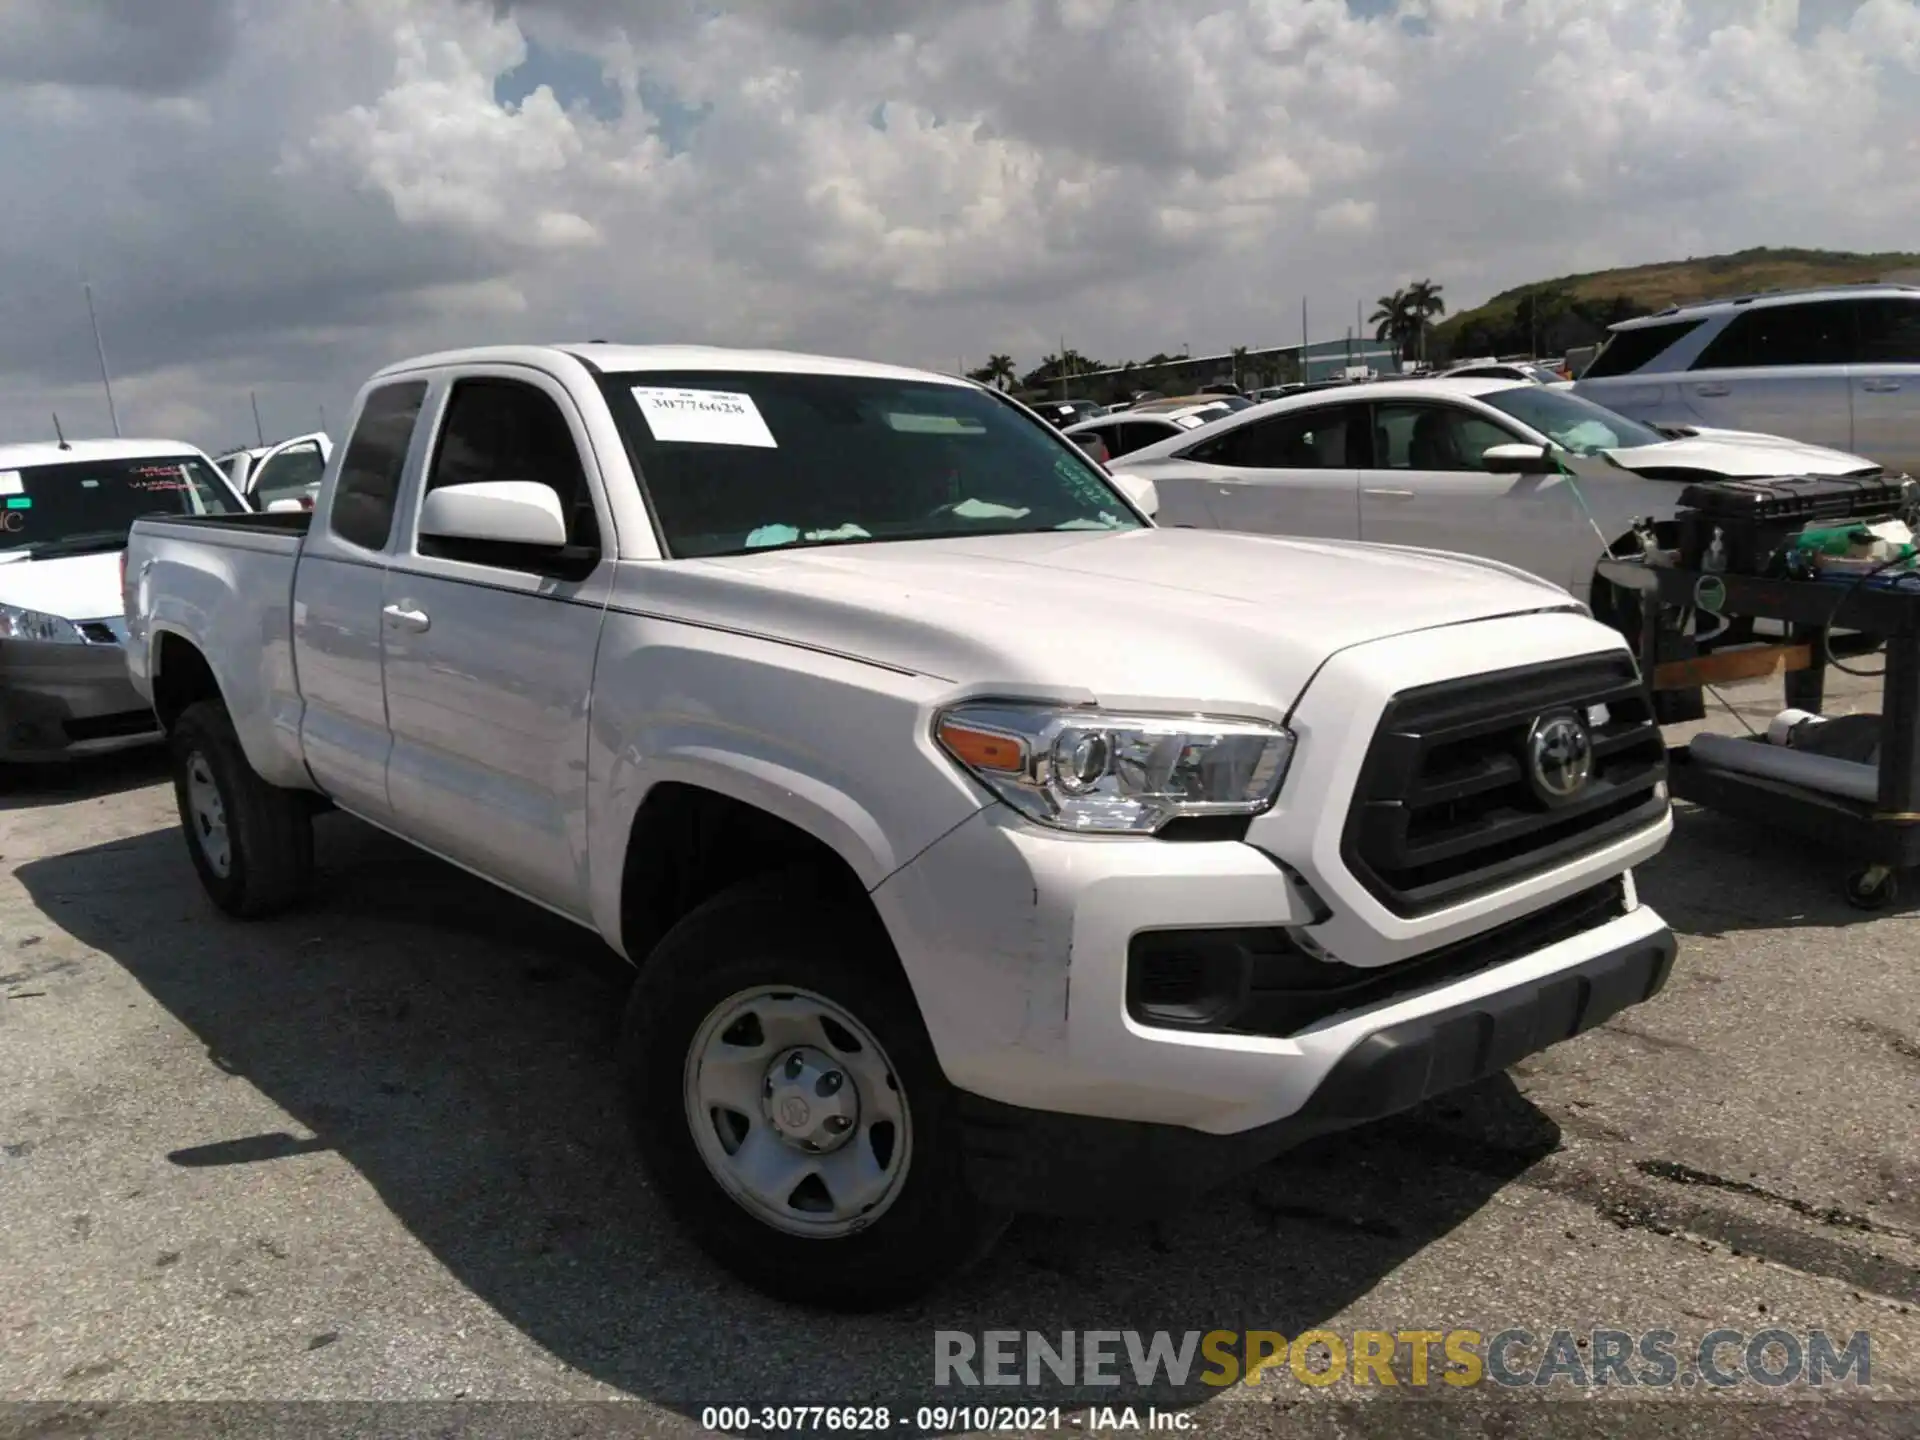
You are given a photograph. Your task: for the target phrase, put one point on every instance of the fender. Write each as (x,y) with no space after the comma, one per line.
(841,751)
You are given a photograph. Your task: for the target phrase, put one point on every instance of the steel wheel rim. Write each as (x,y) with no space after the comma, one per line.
(209,815)
(800,1150)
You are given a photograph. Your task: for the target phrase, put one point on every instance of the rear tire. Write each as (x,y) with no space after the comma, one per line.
(853,1198)
(251,842)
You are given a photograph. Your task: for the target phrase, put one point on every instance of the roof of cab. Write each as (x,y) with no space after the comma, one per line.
(49,452)
(626,358)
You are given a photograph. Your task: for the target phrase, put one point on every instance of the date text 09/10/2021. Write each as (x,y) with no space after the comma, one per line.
(940,1419)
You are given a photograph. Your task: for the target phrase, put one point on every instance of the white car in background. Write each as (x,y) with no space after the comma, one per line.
(1516,472)
(65,511)
(1532,372)
(1107,437)
(287,472)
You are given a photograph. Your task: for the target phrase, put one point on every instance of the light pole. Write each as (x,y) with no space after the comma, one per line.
(106,381)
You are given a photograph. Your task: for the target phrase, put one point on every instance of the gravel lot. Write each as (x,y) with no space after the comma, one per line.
(370,1152)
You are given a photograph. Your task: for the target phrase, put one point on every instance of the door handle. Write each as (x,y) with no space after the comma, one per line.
(1880,386)
(402,617)
(1391,494)
(1712,390)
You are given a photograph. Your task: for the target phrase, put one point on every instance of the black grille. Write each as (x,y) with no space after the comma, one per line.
(1445,809)
(1258,982)
(99,633)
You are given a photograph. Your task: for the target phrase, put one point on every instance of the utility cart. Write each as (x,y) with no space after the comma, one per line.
(1826,619)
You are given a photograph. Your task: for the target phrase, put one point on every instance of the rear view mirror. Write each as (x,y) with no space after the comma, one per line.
(1143,493)
(1517,459)
(506,512)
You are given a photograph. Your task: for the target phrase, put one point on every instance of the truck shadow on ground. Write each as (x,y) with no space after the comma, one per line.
(455,1047)
(24,787)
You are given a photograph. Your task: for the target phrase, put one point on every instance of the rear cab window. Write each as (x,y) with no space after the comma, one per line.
(83,505)
(735,463)
(368,488)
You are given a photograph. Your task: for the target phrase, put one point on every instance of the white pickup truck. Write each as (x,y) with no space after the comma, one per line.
(981,846)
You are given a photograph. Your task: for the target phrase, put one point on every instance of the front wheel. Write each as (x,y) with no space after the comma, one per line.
(250,842)
(786,1099)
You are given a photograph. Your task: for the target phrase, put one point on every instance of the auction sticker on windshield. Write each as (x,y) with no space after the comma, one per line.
(10,483)
(703,417)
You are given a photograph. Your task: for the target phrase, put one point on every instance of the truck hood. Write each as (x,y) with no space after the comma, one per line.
(74,587)
(1739,455)
(1171,617)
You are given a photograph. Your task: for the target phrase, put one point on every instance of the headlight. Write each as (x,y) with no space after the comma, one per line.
(1090,771)
(20,624)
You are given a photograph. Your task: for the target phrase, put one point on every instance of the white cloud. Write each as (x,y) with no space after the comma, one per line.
(305,191)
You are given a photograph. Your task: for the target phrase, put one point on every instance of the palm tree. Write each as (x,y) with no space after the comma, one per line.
(1000,371)
(1239,354)
(1424,304)
(1392,319)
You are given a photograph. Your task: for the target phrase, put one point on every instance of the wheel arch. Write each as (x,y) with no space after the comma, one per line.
(689,840)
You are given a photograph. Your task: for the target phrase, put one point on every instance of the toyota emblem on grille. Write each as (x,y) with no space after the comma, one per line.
(1559,757)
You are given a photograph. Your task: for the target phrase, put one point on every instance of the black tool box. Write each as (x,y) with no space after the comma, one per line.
(1757,519)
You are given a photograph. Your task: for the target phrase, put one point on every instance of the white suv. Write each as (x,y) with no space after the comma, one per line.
(1837,367)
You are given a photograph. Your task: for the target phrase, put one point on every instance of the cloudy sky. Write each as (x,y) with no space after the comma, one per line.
(279,195)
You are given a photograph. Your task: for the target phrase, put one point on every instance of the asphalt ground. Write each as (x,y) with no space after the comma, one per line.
(370,1152)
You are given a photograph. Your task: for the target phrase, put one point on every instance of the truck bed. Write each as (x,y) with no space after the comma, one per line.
(279,522)
(223,584)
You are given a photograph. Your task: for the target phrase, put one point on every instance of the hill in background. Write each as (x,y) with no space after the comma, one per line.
(1550,317)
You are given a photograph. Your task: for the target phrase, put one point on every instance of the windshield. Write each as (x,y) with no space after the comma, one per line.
(738,462)
(1571,422)
(91,504)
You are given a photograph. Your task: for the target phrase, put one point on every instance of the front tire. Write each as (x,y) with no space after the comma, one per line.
(787,1101)
(251,842)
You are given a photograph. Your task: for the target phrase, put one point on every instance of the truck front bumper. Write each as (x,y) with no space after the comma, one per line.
(1018,944)
(58,702)
(1047,1162)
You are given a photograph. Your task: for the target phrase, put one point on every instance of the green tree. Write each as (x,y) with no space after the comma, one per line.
(1393,319)
(1424,306)
(998,372)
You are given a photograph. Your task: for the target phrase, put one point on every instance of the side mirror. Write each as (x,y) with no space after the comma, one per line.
(284,507)
(1517,459)
(1143,493)
(506,512)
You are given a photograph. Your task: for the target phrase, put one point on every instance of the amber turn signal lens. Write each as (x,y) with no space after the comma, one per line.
(984,750)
